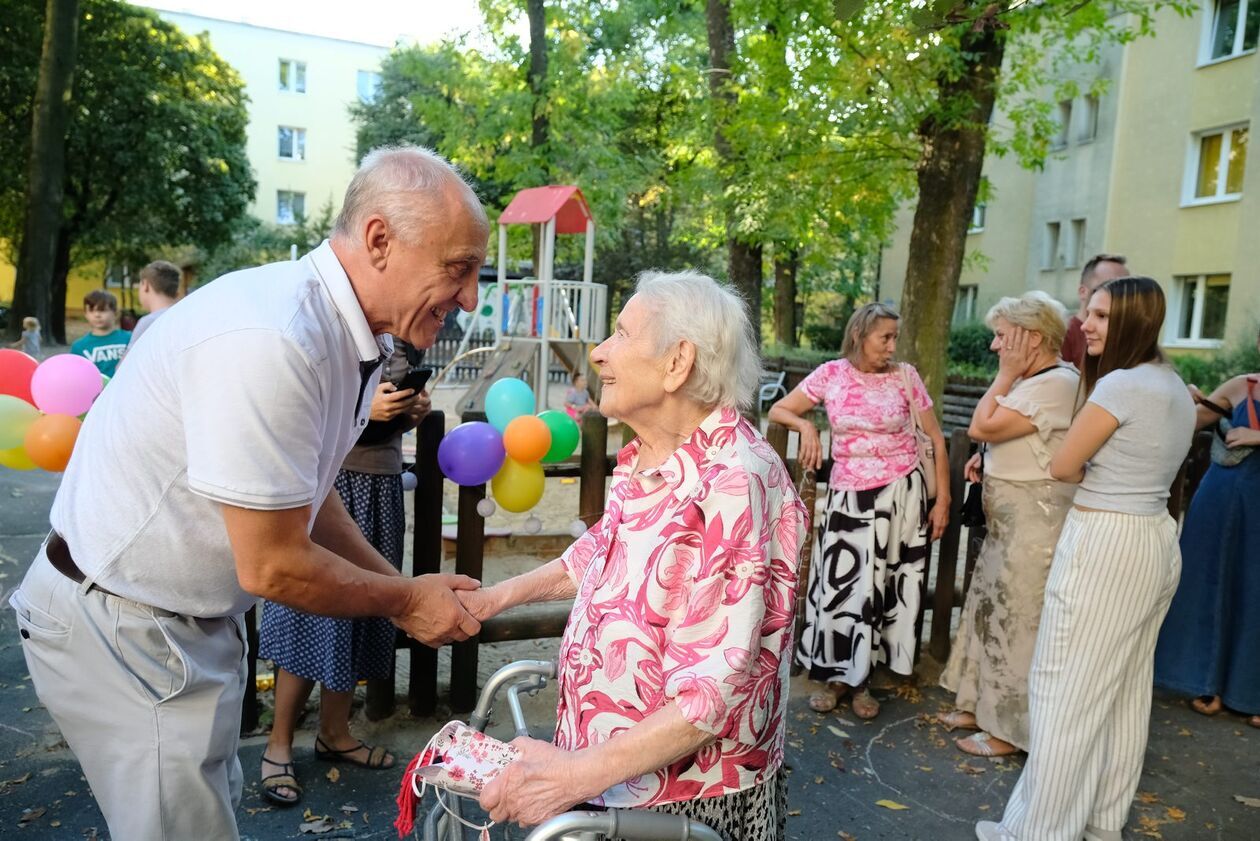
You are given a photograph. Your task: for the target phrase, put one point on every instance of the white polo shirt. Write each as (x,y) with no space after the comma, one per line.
(249,392)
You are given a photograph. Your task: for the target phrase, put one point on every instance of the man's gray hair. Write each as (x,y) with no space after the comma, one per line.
(405,185)
(694,307)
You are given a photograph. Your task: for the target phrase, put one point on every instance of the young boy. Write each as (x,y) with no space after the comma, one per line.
(105,345)
(159,290)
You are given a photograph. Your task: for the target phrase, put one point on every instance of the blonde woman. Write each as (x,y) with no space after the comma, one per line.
(872,545)
(1020,421)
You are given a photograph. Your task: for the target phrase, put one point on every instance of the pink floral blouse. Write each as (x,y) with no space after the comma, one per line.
(872,442)
(686,591)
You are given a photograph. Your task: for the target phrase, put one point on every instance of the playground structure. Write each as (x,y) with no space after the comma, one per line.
(534,318)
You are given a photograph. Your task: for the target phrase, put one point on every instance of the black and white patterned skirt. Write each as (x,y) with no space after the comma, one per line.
(867,581)
(754,814)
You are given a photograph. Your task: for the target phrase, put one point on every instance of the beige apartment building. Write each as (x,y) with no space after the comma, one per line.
(1155,168)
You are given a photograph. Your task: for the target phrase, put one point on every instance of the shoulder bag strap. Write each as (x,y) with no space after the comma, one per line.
(1251,403)
(915,424)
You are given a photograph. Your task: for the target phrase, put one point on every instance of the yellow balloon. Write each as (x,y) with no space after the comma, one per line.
(517,487)
(16,459)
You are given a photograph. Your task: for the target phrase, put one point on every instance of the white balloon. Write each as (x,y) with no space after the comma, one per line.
(486,507)
(577,528)
(409,481)
(533,525)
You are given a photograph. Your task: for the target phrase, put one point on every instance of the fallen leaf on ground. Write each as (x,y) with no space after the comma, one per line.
(1176,814)
(29,815)
(333,775)
(837,732)
(1147,797)
(16,781)
(983,807)
(54,824)
(973,770)
(254,810)
(818,781)
(317,827)
(349,808)
(925,767)
(891,804)
(1253,802)
(844,836)
(794,813)
(1184,732)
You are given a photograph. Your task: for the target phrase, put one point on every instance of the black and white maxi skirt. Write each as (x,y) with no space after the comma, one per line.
(867,582)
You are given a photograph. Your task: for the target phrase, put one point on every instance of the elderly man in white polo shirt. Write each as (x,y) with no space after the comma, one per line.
(200,482)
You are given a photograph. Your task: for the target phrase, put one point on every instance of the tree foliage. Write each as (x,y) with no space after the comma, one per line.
(155,152)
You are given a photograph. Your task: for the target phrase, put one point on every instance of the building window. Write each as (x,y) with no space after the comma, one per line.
(1217,162)
(290,207)
(292,75)
(965,304)
(1200,309)
(369,85)
(1065,124)
(1076,248)
(292,143)
(1050,247)
(1234,26)
(1089,120)
(977,218)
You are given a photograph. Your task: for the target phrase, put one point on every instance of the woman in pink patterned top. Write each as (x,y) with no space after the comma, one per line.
(674,664)
(872,545)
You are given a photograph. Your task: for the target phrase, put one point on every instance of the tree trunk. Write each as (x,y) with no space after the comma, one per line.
(45,176)
(540,129)
(785,262)
(744,259)
(949,171)
(60,275)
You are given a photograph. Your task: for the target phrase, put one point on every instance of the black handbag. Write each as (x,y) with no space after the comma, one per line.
(972,514)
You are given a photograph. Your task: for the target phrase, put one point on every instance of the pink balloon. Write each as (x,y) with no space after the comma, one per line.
(65,384)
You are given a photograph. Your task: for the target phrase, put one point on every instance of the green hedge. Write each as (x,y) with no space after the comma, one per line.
(1208,372)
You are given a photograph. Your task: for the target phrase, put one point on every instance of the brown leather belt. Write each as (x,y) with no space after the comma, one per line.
(59,556)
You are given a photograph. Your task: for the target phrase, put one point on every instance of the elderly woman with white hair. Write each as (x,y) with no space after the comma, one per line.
(872,545)
(674,664)
(1021,422)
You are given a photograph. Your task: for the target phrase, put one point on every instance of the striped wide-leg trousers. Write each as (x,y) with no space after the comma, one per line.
(1110,584)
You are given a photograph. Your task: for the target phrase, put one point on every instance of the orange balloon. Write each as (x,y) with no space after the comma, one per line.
(527,438)
(50,440)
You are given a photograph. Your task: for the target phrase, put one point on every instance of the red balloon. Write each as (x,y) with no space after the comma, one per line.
(50,440)
(16,370)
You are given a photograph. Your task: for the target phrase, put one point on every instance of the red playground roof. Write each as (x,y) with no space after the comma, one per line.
(564,203)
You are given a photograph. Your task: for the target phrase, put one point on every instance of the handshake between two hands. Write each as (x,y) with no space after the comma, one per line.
(445,608)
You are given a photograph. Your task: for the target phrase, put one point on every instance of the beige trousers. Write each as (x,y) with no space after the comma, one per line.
(148,700)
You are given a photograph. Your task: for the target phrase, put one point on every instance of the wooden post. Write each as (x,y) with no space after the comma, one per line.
(947,567)
(470,536)
(426,555)
(591,487)
(249,707)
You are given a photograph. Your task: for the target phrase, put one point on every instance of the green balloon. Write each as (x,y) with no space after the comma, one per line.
(16,416)
(564,435)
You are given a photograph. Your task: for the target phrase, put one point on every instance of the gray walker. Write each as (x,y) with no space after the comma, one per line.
(529,676)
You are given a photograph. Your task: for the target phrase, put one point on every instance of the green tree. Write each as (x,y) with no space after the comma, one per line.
(155,151)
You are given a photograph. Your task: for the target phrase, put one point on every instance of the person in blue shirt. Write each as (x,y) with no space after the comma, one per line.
(105,344)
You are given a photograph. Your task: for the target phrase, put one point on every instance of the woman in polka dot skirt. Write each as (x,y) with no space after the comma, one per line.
(338,653)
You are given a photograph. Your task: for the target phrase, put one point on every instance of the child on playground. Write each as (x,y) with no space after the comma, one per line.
(577,400)
(106,343)
(28,343)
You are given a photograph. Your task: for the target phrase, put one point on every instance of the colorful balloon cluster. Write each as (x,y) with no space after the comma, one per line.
(40,408)
(510,450)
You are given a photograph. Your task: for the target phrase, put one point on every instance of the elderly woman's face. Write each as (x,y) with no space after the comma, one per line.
(631,373)
(879,345)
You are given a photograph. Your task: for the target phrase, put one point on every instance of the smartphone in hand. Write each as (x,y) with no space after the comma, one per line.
(415,379)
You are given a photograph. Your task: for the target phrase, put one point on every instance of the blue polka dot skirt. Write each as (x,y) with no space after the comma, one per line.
(340,652)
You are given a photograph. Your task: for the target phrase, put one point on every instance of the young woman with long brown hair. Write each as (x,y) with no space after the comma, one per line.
(1114,572)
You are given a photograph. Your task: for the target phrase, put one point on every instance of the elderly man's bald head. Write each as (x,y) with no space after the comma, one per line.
(406,185)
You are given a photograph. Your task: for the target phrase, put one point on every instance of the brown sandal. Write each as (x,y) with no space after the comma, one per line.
(826,699)
(1208,705)
(958,720)
(865,706)
(378,759)
(287,778)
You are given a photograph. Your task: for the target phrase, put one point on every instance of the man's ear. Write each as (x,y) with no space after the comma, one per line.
(678,365)
(377,240)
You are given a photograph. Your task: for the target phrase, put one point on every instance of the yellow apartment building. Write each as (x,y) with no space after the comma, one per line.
(1156,169)
(300,140)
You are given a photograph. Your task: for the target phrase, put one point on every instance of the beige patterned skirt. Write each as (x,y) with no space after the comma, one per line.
(993,650)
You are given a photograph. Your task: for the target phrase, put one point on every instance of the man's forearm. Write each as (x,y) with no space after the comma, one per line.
(337,532)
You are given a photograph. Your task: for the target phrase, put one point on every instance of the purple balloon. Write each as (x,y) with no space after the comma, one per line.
(471,453)
(65,384)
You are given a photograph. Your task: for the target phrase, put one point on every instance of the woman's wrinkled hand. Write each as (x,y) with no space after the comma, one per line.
(388,402)
(539,785)
(1242,436)
(938,519)
(809,455)
(1017,352)
(974,467)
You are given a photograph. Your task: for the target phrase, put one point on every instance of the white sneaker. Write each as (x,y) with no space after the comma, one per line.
(992,831)
(1093,833)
